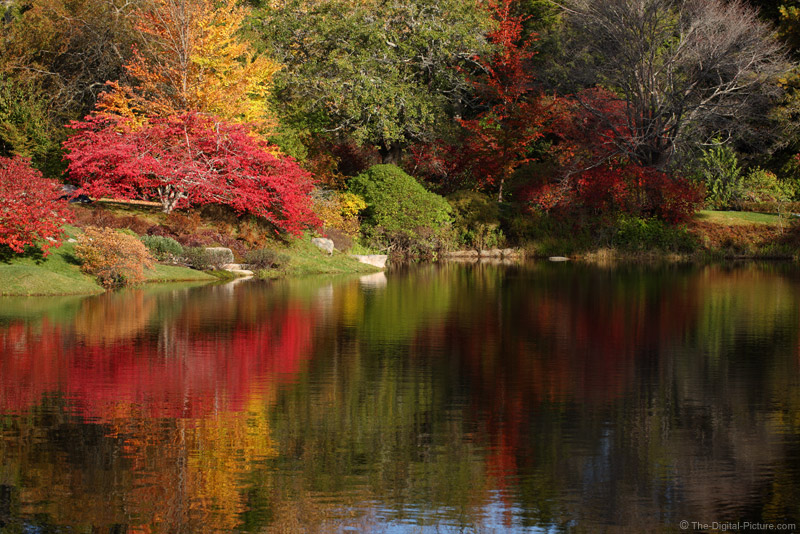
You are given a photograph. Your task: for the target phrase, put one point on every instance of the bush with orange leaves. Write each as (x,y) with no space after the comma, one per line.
(115,258)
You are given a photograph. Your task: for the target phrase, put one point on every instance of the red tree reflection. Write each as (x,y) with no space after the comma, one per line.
(174,368)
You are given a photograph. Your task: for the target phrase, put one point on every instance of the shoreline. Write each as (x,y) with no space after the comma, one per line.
(59,275)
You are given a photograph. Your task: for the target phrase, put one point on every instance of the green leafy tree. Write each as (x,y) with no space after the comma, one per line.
(719,169)
(25,127)
(382,72)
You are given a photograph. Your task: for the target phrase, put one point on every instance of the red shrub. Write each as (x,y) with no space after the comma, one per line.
(631,189)
(30,211)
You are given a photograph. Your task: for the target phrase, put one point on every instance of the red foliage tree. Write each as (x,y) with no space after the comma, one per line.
(30,212)
(596,178)
(586,135)
(499,139)
(190,160)
(631,189)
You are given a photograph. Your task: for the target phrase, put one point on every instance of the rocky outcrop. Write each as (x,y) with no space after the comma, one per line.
(324,244)
(237,269)
(376,260)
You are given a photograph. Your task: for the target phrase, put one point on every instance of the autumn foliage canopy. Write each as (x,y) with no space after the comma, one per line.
(498,140)
(30,212)
(194,60)
(190,160)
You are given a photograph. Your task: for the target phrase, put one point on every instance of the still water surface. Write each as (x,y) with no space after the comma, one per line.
(450,398)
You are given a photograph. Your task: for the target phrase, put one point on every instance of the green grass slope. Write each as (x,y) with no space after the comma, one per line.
(734,218)
(59,274)
(305,258)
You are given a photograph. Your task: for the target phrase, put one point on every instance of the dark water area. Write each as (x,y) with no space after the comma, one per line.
(441,398)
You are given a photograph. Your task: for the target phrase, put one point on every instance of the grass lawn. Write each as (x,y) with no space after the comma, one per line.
(59,273)
(305,258)
(173,273)
(735,218)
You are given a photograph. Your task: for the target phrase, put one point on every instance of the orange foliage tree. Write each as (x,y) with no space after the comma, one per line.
(193,60)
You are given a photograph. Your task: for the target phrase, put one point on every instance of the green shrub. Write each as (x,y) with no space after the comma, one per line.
(476,220)
(760,185)
(720,171)
(634,233)
(197,258)
(265,259)
(204,259)
(400,211)
(116,258)
(127,231)
(162,248)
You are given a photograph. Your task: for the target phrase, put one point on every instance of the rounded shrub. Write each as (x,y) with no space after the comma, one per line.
(205,258)
(162,247)
(400,211)
(115,258)
(265,258)
(476,220)
(640,234)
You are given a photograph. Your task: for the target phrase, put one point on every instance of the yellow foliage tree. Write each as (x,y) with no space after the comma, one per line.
(193,60)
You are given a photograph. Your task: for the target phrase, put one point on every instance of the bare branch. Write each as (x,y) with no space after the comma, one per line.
(686,69)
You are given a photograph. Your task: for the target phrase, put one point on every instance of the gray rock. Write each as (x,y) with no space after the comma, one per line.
(558,258)
(376,260)
(324,244)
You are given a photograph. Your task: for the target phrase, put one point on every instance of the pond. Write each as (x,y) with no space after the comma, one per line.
(442,398)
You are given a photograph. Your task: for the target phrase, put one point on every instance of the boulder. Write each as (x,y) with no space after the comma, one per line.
(376,260)
(324,244)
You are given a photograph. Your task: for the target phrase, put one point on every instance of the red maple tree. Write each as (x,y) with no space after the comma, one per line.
(499,139)
(190,160)
(595,177)
(30,212)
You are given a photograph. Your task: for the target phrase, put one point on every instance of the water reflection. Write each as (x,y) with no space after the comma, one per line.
(441,398)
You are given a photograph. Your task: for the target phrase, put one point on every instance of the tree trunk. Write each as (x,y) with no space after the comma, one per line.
(391,154)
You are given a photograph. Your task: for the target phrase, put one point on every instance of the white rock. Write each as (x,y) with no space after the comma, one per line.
(324,244)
